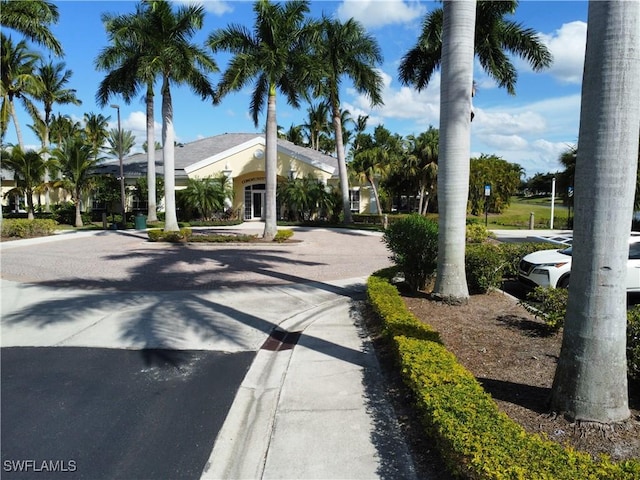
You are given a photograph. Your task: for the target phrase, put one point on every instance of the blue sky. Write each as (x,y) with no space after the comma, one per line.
(531,128)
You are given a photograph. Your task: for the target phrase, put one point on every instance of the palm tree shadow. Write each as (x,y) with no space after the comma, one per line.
(168,301)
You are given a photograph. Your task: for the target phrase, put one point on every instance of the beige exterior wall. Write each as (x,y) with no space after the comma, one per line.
(246,168)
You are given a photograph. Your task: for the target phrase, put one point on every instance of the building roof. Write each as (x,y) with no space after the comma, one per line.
(211,149)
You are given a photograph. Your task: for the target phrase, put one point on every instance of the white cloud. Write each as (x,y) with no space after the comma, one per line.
(404,103)
(567,45)
(377,13)
(507,123)
(136,123)
(505,142)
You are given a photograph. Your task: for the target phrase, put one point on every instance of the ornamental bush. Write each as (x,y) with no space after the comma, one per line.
(413,242)
(23,228)
(158,235)
(484,264)
(550,305)
(283,235)
(633,342)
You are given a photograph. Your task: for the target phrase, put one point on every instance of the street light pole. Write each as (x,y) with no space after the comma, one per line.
(122,192)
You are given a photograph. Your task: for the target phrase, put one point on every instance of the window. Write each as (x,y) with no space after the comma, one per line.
(354,200)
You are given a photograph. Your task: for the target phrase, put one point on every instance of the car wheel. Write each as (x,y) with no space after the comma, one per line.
(564,282)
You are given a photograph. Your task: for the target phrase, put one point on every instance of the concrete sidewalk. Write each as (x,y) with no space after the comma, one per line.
(312,404)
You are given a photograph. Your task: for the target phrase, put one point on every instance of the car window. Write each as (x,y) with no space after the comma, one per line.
(634,251)
(566,251)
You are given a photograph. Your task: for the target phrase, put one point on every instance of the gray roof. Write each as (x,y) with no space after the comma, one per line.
(189,153)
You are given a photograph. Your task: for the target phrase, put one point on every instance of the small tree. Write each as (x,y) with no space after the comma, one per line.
(206,195)
(413,242)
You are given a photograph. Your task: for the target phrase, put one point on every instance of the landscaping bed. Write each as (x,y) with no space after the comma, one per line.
(450,377)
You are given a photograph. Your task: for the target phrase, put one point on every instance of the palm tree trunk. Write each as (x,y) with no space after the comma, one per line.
(78,214)
(271,167)
(455,148)
(342,164)
(152,215)
(14,117)
(590,383)
(168,149)
(29,198)
(421,198)
(47,176)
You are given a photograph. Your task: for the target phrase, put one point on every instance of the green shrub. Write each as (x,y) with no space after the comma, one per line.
(23,228)
(633,342)
(217,238)
(550,305)
(283,235)
(484,264)
(413,241)
(474,438)
(65,213)
(157,235)
(477,233)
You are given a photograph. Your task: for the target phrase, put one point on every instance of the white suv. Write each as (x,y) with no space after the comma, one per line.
(552,268)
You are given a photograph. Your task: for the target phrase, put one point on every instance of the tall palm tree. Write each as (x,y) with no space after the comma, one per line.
(17,81)
(96,129)
(52,79)
(345,49)
(495,39)
(29,170)
(76,162)
(590,383)
(129,59)
(454,148)
(32,19)
(275,58)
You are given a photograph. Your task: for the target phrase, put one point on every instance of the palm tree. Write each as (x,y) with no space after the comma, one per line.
(590,383)
(96,130)
(275,57)
(317,123)
(17,81)
(52,79)
(345,49)
(495,39)
(76,162)
(120,141)
(130,63)
(63,127)
(32,19)
(454,148)
(29,170)
(206,195)
(423,163)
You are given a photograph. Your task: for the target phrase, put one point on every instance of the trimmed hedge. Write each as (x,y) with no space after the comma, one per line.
(283,235)
(23,228)
(474,438)
(158,235)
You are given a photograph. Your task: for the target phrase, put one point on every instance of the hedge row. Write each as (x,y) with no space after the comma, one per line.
(23,228)
(474,438)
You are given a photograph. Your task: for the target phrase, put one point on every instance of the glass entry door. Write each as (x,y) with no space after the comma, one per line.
(258,202)
(254,196)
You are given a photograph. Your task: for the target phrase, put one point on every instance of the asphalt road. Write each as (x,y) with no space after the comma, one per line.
(108,413)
